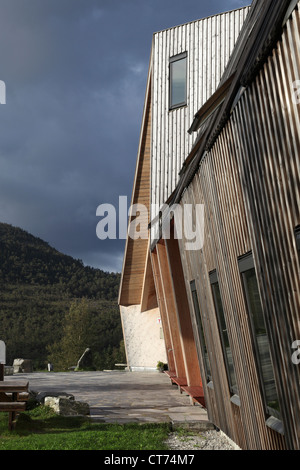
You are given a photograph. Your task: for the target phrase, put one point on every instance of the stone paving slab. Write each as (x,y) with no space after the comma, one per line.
(121,396)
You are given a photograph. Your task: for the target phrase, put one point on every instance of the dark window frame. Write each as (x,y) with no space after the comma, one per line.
(213,277)
(297,236)
(200,331)
(172,60)
(246,264)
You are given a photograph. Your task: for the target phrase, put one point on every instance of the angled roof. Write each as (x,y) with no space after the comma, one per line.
(135,257)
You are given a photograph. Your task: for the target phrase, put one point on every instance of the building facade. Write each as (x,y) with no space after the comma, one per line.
(181,55)
(228,299)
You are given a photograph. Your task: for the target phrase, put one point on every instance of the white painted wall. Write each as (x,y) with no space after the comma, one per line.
(142,336)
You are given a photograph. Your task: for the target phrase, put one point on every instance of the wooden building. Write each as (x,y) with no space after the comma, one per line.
(230,308)
(186,52)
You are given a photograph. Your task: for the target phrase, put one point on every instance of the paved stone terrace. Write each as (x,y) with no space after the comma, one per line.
(120,396)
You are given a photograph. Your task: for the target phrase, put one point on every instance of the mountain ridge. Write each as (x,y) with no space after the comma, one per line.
(38,286)
(27,259)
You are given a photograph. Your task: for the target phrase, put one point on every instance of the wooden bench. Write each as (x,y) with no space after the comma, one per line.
(180,381)
(176,380)
(169,373)
(23,396)
(196,393)
(13,408)
(13,398)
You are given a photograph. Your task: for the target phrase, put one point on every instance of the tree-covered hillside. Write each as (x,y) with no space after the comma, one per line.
(38,285)
(25,259)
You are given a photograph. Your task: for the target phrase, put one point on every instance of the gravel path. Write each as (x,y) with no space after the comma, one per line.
(209,440)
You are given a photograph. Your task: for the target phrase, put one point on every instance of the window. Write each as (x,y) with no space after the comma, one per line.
(223,332)
(297,235)
(178,80)
(259,334)
(201,331)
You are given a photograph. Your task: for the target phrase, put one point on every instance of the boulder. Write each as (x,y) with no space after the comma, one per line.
(67,407)
(40,396)
(22,366)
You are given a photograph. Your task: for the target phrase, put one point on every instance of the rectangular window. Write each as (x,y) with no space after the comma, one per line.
(223,332)
(178,80)
(297,235)
(259,334)
(201,331)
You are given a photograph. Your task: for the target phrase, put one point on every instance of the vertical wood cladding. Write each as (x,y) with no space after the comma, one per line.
(249,183)
(208,43)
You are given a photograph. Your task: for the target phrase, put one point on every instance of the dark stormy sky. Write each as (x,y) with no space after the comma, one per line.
(75,73)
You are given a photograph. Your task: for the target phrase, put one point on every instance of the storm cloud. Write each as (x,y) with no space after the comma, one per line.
(75,74)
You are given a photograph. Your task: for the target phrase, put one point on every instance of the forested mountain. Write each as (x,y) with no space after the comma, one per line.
(25,259)
(38,286)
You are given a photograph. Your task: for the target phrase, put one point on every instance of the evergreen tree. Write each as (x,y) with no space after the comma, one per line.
(77,336)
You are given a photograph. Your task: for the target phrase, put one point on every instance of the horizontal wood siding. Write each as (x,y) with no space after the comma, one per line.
(249,183)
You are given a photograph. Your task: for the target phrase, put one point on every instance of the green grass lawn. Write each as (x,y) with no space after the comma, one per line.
(42,429)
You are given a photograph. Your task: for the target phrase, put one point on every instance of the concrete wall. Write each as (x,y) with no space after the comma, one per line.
(144,343)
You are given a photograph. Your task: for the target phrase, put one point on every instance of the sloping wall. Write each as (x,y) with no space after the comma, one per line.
(249,184)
